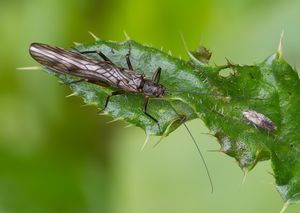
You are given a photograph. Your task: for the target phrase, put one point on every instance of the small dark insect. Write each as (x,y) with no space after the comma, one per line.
(103,73)
(260,120)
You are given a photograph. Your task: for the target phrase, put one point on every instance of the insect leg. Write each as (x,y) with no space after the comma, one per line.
(104,57)
(130,67)
(146,102)
(156,75)
(128,62)
(120,92)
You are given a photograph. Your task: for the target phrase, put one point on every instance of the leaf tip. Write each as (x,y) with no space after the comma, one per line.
(280,46)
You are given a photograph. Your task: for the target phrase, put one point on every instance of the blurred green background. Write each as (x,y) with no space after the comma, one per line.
(56,156)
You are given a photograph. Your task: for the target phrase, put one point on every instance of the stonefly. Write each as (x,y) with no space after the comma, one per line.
(103,73)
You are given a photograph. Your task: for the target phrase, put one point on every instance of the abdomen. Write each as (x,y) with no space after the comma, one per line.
(95,71)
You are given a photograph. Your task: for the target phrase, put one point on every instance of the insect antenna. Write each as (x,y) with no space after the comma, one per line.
(202,158)
(172,92)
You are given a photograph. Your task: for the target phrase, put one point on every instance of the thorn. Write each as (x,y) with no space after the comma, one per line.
(280,45)
(215,150)
(94,36)
(190,55)
(184,44)
(102,113)
(158,142)
(285,206)
(229,63)
(271,173)
(126,36)
(170,53)
(295,67)
(145,143)
(161,48)
(128,126)
(77,43)
(114,120)
(246,171)
(186,47)
(72,94)
(207,133)
(29,68)
(89,104)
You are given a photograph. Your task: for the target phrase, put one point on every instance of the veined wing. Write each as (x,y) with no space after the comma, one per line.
(76,64)
(60,59)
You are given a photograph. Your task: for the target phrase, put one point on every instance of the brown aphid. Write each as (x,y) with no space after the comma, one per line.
(260,120)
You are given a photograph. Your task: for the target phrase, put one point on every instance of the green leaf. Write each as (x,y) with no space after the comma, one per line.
(197,90)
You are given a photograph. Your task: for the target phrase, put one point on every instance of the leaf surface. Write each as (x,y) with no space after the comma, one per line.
(197,90)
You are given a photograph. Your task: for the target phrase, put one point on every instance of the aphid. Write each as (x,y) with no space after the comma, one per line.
(260,120)
(103,73)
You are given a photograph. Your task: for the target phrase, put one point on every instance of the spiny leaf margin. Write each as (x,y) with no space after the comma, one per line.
(271,87)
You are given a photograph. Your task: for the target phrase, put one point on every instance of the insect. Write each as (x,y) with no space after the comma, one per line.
(260,120)
(103,73)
